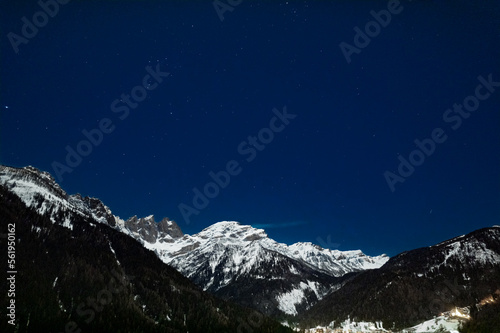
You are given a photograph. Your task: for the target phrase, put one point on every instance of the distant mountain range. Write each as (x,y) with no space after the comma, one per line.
(70,240)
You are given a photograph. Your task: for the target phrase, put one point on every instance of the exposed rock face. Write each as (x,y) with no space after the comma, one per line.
(150,231)
(170,227)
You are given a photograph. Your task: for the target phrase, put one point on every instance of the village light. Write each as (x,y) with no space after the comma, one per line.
(457,313)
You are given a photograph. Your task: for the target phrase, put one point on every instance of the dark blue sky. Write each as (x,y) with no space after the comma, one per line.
(321,177)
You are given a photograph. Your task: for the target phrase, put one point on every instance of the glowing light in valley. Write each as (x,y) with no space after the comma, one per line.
(458,313)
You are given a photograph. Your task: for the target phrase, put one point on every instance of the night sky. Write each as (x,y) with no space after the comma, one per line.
(304,130)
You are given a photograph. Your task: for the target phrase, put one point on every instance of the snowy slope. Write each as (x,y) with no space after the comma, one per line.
(477,249)
(38,190)
(419,284)
(335,262)
(448,322)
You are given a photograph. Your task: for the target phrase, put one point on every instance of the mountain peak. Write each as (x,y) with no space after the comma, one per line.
(147,229)
(232,230)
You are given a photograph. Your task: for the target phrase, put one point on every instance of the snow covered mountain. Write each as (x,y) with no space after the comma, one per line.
(419,284)
(38,190)
(231,234)
(231,260)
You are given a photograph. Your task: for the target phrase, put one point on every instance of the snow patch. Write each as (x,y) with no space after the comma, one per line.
(288,301)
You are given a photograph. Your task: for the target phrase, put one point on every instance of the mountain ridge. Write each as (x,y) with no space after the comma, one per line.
(418,284)
(234,252)
(301,282)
